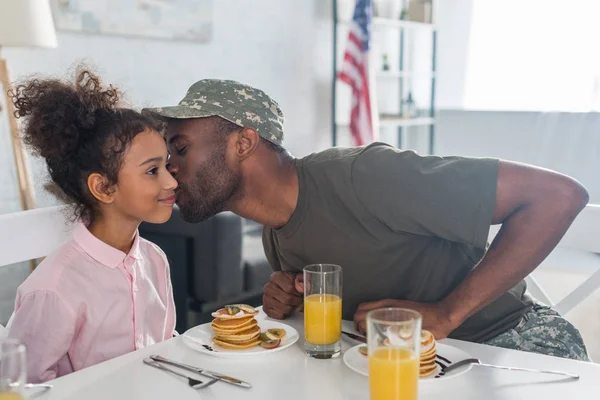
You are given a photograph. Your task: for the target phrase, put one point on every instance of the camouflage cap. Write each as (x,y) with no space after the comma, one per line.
(241,104)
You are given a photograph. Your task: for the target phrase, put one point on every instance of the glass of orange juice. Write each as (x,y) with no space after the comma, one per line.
(322,310)
(13,371)
(394,339)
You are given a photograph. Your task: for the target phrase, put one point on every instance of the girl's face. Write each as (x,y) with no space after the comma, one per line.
(145,190)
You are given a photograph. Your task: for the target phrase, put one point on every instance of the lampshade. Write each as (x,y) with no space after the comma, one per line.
(26,23)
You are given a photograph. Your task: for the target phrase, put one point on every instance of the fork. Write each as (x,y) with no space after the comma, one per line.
(475,361)
(194,383)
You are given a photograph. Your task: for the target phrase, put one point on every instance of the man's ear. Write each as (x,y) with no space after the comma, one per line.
(100,187)
(247,142)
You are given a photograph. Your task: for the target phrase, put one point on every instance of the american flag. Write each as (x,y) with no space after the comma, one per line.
(355,73)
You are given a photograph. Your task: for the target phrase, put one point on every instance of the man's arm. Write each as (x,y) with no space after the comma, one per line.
(535,207)
(281,294)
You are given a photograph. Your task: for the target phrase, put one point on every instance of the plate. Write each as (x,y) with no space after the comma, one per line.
(446,355)
(200,338)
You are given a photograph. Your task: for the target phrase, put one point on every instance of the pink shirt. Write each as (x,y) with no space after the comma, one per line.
(88,302)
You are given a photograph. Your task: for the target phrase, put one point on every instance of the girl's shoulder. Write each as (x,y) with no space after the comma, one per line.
(152,250)
(51,273)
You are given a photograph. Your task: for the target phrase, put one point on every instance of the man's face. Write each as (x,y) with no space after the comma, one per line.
(199,163)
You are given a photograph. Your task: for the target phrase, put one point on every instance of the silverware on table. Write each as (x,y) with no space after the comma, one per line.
(202,371)
(355,337)
(194,383)
(38,386)
(476,361)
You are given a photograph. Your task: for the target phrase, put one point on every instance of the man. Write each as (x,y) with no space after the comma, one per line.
(409,231)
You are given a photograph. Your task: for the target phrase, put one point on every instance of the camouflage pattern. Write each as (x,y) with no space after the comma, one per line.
(241,104)
(543,330)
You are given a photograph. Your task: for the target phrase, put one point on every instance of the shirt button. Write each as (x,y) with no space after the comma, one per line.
(136,288)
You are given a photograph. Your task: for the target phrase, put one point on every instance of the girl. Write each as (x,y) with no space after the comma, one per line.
(106,291)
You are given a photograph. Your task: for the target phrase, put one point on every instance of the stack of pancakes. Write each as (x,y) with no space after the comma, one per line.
(235,327)
(428,353)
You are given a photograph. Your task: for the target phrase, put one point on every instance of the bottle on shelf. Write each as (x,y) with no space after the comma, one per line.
(404,14)
(387,8)
(385,66)
(409,107)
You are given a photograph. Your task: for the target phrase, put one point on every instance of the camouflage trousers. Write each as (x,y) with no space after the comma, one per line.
(542,330)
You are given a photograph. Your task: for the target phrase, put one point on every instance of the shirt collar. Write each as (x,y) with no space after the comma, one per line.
(102,252)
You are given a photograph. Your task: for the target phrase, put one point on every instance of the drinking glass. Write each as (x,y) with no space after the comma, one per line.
(322,310)
(13,370)
(394,339)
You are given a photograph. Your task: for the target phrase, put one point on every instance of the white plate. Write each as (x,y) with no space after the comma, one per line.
(447,355)
(200,338)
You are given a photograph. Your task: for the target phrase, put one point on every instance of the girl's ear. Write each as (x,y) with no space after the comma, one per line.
(100,188)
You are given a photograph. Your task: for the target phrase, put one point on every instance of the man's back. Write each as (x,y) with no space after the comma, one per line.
(400,225)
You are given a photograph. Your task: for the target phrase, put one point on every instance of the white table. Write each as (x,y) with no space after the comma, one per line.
(290,375)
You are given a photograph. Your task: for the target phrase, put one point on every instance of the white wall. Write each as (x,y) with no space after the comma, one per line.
(283,47)
(454,26)
(566,142)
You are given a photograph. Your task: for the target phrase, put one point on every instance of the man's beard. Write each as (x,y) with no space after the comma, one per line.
(209,192)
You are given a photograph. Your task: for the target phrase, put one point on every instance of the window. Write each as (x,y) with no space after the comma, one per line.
(539,55)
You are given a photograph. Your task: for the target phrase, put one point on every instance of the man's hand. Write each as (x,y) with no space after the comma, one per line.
(435,317)
(283,294)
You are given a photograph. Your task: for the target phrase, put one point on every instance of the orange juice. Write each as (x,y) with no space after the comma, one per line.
(393,374)
(10,396)
(322,318)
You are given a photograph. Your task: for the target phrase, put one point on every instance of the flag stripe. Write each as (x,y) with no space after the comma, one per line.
(354,72)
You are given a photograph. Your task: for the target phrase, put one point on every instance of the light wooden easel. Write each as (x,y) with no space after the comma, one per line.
(23,175)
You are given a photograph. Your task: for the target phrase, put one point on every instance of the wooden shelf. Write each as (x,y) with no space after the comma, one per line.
(389,121)
(398,74)
(396,24)
(399,23)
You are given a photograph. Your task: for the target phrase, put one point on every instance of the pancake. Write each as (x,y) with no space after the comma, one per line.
(427,341)
(235,328)
(244,346)
(427,365)
(430,353)
(228,332)
(232,323)
(239,341)
(248,334)
(245,311)
(424,372)
(216,327)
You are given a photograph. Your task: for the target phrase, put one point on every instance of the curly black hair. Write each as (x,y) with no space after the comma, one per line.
(79,127)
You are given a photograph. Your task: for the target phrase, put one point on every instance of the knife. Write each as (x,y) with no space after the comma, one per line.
(355,337)
(201,371)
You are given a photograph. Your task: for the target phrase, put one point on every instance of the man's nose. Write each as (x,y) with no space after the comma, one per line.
(173,169)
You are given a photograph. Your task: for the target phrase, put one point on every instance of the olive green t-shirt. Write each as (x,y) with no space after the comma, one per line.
(401,225)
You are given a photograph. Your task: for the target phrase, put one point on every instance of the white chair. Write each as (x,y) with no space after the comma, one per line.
(32,234)
(583,235)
